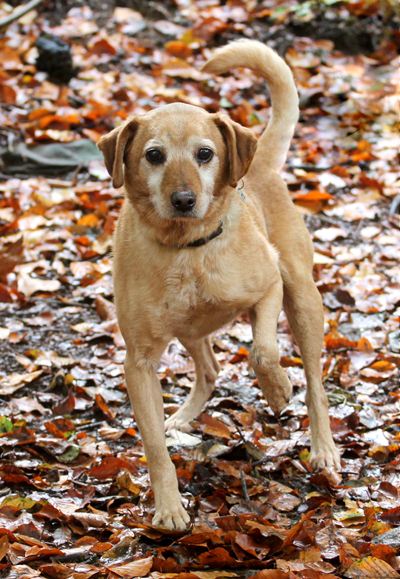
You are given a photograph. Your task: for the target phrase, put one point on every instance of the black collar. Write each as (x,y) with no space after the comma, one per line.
(204,240)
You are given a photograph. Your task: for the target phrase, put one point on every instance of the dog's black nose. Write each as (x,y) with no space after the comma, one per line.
(183,200)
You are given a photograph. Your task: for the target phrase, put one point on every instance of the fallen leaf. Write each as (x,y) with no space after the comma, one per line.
(371,568)
(10,384)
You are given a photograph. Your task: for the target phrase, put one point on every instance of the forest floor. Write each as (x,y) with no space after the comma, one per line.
(75,499)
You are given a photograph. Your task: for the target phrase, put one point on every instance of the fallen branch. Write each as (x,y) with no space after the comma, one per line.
(20,11)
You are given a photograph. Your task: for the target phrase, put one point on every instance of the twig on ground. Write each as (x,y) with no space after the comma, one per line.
(20,11)
(244,485)
(395,205)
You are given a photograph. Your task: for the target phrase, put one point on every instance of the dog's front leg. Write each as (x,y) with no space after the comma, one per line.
(146,397)
(264,355)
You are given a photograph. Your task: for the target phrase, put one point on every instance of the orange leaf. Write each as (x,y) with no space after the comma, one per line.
(178,49)
(100,548)
(89,220)
(382,366)
(332,343)
(314,196)
(9,59)
(383,552)
(365,346)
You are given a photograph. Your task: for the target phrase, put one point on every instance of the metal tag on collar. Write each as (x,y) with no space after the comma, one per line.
(240,191)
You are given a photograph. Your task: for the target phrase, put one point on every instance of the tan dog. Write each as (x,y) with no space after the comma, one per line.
(190,255)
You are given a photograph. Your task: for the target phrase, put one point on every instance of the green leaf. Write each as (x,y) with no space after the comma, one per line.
(305,455)
(70,454)
(18,502)
(255,119)
(224,103)
(5,424)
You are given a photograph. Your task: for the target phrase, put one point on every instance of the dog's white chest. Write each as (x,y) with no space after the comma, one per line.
(202,295)
(182,284)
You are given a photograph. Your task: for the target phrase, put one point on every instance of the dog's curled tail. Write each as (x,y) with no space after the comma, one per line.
(275,141)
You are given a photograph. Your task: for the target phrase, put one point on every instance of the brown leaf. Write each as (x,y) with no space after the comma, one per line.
(217,557)
(126,482)
(348,555)
(102,405)
(296,529)
(91,520)
(37,552)
(56,571)
(251,546)
(391,516)
(105,308)
(4,542)
(271,574)
(208,574)
(10,256)
(110,467)
(138,568)
(5,295)
(329,540)
(283,501)
(213,426)
(65,406)
(371,568)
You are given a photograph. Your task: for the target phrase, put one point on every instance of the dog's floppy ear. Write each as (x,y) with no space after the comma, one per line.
(113,147)
(242,145)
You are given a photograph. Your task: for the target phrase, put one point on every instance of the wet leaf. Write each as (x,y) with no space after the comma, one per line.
(138,568)
(371,567)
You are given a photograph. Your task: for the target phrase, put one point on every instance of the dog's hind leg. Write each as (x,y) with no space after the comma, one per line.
(207,368)
(303,307)
(264,355)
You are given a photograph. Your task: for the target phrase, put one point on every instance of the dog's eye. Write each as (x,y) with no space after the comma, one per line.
(205,155)
(155,157)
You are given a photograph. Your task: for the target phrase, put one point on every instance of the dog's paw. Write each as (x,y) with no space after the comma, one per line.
(171,518)
(177,422)
(324,454)
(278,397)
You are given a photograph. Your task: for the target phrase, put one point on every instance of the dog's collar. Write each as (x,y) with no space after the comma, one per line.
(204,240)
(217,232)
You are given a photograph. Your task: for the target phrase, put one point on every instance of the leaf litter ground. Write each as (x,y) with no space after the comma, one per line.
(75,499)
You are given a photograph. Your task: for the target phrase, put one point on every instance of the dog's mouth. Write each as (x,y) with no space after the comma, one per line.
(183,216)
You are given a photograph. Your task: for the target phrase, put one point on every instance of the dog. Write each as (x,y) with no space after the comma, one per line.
(190,255)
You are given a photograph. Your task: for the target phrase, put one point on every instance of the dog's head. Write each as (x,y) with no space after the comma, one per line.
(178,160)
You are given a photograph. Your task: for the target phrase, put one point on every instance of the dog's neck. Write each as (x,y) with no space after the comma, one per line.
(189,233)
(204,240)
